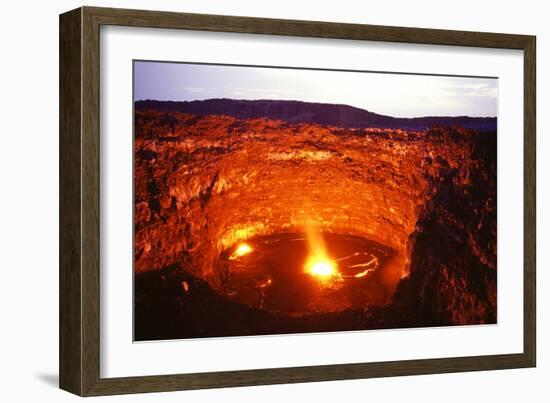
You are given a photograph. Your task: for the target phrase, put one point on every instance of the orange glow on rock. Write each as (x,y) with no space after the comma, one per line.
(242,250)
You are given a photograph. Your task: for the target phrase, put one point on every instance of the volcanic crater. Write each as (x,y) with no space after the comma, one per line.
(407,219)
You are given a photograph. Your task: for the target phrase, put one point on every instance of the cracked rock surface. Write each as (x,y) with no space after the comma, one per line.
(203,183)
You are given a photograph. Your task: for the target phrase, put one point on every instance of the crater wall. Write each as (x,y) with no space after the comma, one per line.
(204,183)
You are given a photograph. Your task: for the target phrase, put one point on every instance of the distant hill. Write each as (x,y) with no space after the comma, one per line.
(313,113)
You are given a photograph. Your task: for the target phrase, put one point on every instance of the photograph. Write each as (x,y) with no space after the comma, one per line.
(273,200)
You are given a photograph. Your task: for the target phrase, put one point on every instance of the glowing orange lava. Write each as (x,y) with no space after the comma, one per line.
(319,264)
(242,250)
(322,268)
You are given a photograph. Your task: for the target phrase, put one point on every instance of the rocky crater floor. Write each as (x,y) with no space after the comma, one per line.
(411,213)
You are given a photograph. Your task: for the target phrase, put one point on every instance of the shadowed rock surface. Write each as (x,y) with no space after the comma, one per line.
(344,116)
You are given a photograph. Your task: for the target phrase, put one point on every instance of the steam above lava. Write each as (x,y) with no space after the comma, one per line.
(318,263)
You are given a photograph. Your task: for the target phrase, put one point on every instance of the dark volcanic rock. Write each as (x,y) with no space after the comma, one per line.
(453,277)
(313,113)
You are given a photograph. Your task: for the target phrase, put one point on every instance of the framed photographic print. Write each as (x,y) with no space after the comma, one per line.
(249,201)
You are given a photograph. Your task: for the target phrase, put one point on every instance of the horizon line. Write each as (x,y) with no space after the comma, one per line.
(319,103)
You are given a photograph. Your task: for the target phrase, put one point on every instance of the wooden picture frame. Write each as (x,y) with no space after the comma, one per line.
(79,349)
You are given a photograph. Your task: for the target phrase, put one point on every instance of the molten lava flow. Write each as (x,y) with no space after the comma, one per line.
(371,266)
(242,250)
(321,267)
(319,264)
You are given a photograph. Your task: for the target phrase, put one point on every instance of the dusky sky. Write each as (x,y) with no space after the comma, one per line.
(399,95)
